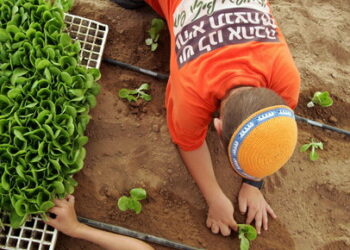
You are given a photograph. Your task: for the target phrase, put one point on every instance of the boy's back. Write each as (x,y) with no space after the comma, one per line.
(216,46)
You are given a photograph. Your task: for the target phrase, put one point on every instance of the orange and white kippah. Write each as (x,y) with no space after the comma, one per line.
(263,142)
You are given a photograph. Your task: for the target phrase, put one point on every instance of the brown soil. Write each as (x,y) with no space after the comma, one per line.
(130,146)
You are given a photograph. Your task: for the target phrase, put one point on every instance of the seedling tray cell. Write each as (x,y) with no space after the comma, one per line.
(92,36)
(35,234)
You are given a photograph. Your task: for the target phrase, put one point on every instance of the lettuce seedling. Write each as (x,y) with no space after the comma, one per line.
(156,26)
(313,145)
(44,102)
(321,98)
(66,5)
(135,94)
(246,233)
(133,202)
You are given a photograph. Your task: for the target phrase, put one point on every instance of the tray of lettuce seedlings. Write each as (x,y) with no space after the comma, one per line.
(49,68)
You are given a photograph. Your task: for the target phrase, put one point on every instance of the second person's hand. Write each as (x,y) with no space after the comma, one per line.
(220,215)
(66,218)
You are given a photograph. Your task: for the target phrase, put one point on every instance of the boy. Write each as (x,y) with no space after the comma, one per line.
(66,221)
(229,55)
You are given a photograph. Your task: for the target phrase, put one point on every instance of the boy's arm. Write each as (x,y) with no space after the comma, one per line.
(220,214)
(109,240)
(66,222)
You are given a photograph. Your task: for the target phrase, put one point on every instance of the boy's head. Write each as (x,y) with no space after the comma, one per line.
(258,130)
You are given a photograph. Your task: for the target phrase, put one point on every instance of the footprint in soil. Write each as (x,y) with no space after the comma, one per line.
(332,193)
(141,154)
(275,181)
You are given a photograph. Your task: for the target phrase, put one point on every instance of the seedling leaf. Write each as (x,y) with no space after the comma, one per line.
(156,38)
(322,98)
(144,86)
(305,147)
(154,46)
(318,145)
(4,36)
(248,231)
(123,203)
(13,93)
(149,41)
(157,25)
(123,93)
(135,206)
(135,94)
(314,155)
(244,244)
(313,145)
(138,194)
(131,98)
(47,205)
(146,97)
(17,220)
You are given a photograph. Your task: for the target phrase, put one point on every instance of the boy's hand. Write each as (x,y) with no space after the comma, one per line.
(66,219)
(220,215)
(250,198)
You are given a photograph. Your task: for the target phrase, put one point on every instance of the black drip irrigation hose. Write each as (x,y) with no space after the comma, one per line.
(165,77)
(137,235)
(321,125)
(156,75)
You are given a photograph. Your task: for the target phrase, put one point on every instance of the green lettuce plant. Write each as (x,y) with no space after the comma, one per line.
(45,98)
(66,5)
(321,98)
(313,146)
(133,202)
(157,25)
(246,233)
(135,94)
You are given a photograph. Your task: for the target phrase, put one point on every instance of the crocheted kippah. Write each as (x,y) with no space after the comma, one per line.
(263,142)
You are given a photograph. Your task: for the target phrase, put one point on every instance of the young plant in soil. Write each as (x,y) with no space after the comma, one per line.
(66,5)
(313,145)
(246,233)
(321,98)
(133,202)
(132,95)
(154,32)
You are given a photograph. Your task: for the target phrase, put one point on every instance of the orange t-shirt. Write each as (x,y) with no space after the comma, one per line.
(216,46)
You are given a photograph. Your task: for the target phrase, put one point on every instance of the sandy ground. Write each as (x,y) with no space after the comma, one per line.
(130,146)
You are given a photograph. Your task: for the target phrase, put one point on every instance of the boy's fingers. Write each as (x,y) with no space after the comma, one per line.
(265,220)
(51,222)
(209,223)
(271,212)
(71,199)
(258,221)
(214,228)
(225,230)
(60,203)
(243,206)
(233,225)
(54,210)
(251,215)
